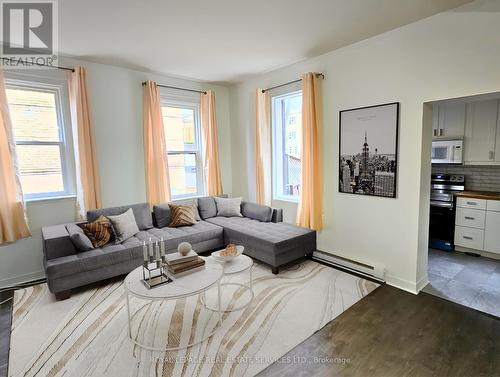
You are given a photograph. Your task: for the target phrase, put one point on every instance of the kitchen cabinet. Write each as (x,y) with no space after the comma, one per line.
(448,120)
(477,224)
(482,141)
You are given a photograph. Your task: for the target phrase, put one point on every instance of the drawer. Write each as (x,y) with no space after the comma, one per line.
(469,237)
(493,205)
(471,203)
(473,218)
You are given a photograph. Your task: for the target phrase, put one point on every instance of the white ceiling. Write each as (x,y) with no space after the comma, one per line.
(225,40)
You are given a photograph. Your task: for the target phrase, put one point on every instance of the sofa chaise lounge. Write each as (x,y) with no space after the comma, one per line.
(260,229)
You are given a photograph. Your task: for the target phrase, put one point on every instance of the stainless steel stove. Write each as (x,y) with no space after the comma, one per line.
(442,213)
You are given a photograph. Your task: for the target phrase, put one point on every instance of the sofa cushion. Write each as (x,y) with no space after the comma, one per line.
(207,207)
(257,211)
(162,212)
(199,232)
(268,237)
(124,226)
(228,207)
(99,231)
(78,237)
(182,215)
(142,214)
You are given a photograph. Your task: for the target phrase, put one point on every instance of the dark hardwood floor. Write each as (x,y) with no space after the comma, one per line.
(395,333)
(388,333)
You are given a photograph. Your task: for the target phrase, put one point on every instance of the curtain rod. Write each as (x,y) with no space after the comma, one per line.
(51,66)
(178,88)
(290,82)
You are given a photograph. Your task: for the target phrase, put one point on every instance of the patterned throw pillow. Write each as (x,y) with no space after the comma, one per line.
(182,215)
(98,231)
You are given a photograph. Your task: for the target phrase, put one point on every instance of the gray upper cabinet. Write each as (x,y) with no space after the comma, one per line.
(448,120)
(480,141)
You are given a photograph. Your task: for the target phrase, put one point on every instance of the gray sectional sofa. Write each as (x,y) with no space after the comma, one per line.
(261,231)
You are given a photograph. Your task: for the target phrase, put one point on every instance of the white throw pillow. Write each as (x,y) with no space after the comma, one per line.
(124,225)
(228,207)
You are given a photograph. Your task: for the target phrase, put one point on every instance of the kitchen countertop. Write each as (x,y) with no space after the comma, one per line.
(488,195)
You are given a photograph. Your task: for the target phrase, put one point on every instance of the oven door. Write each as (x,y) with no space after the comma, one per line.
(442,226)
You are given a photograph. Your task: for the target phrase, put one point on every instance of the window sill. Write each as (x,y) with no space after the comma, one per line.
(286,199)
(50,199)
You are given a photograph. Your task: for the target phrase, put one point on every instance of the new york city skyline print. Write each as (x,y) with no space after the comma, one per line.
(368,150)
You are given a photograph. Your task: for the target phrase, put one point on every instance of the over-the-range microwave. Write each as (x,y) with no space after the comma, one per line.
(447,151)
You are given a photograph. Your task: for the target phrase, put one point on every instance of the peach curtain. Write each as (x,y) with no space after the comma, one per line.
(310,209)
(211,145)
(263,175)
(13,224)
(88,186)
(155,147)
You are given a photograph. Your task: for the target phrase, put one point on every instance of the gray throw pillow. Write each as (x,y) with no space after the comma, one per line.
(78,238)
(257,211)
(228,207)
(124,226)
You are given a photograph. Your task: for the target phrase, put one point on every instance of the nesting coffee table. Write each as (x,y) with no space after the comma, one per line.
(189,285)
(238,265)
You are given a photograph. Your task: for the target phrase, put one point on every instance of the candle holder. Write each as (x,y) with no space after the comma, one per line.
(153,273)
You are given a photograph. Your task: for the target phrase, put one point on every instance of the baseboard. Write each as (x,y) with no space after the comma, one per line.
(405,285)
(424,280)
(25,278)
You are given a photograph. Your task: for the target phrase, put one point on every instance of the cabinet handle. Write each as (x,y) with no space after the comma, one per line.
(440,132)
(468,238)
(492,155)
(435,132)
(472,203)
(469,218)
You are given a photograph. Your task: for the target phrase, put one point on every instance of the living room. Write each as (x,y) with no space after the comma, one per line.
(415,53)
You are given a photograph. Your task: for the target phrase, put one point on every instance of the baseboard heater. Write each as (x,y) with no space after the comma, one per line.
(375,272)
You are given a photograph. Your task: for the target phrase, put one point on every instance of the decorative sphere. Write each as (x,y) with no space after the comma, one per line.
(184,248)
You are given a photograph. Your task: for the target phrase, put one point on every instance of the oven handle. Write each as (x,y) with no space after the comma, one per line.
(441,204)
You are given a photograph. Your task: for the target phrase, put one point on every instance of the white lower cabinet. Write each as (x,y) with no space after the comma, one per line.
(477,224)
(492,232)
(469,237)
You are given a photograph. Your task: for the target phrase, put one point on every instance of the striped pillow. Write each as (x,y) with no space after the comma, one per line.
(182,215)
(98,231)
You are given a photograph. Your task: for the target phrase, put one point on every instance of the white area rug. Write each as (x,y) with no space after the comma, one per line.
(87,334)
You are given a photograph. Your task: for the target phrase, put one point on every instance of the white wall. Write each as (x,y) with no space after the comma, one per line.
(116,101)
(452,54)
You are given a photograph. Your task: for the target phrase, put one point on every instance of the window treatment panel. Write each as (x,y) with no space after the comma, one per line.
(13,225)
(210,144)
(310,209)
(155,150)
(263,168)
(88,185)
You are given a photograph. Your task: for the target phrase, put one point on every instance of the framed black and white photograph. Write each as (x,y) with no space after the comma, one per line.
(369,150)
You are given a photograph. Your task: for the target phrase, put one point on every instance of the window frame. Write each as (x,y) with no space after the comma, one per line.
(192,104)
(277,173)
(66,151)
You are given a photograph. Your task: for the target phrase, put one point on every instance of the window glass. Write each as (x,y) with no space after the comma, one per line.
(183,139)
(287,144)
(40,143)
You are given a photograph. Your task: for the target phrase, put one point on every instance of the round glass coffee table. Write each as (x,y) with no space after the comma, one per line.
(188,285)
(238,265)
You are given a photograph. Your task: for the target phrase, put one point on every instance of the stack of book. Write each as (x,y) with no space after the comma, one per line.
(179,265)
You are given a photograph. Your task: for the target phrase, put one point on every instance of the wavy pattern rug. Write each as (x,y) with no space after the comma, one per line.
(87,334)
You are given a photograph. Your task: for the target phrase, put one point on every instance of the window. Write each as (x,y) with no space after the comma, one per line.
(287,141)
(37,121)
(183,138)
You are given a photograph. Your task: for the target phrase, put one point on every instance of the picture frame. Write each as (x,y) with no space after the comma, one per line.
(368,150)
